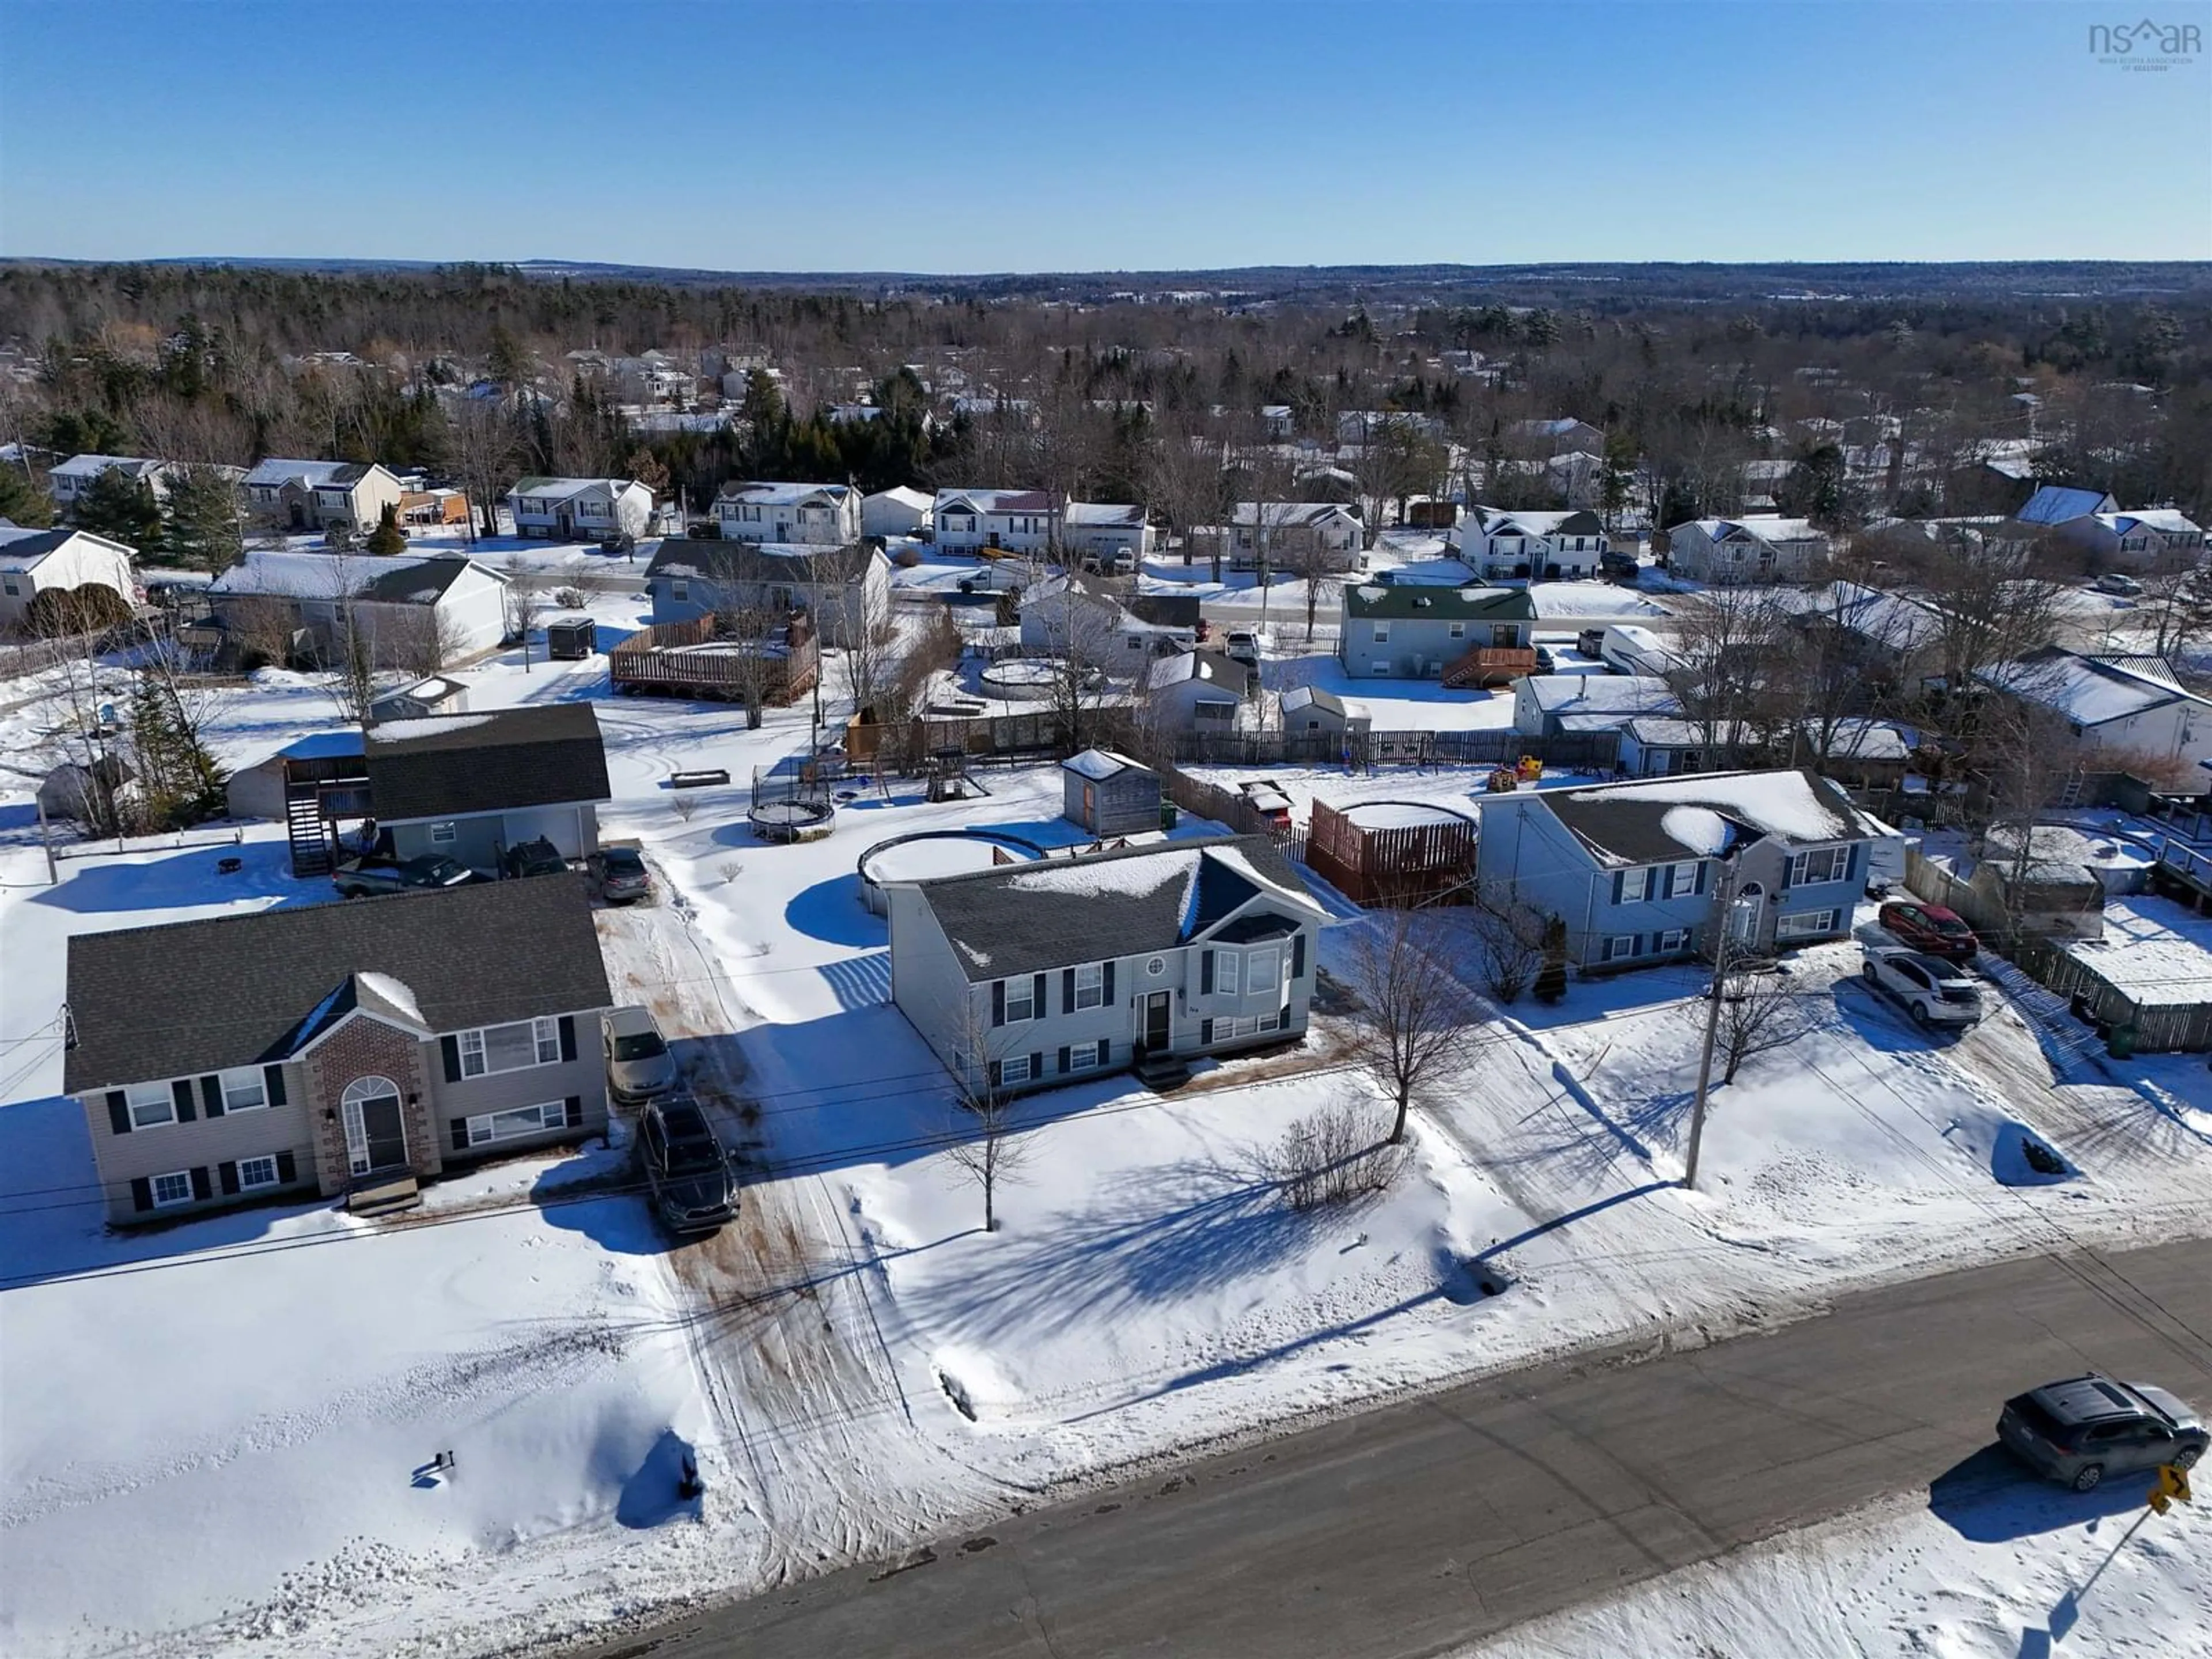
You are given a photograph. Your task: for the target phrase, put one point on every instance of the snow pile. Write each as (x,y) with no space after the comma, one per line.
(1777,803)
(1697,828)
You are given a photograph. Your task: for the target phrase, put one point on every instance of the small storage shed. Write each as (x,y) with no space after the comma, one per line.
(422,701)
(1109,795)
(571,639)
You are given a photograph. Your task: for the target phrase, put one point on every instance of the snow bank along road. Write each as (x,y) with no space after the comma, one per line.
(1417,1529)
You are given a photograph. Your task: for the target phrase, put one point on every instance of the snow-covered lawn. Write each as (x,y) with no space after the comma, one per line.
(2154,950)
(2014,1571)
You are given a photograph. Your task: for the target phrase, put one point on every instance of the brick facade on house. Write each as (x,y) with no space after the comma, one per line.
(368,1048)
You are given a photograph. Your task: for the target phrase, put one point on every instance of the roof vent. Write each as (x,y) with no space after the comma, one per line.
(1422,602)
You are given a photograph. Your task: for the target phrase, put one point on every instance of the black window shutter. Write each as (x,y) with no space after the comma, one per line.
(272,1078)
(998,1011)
(1068,990)
(1619,884)
(450,1047)
(227,1172)
(201,1187)
(460,1135)
(1105,1051)
(574,1105)
(287,1168)
(118,1111)
(1852,863)
(1205,1031)
(1108,990)
(1037,998)
(993,1073)
(1701,878)
(568,1036)
(141,1194)
(1297,955)
(1036,1066)
(181,1092)
(1668,890)
(1063,1060)
(211,1095)
(1206,973)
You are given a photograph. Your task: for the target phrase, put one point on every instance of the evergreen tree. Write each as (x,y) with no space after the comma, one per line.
(21,501)
(179,781)
(387,539)
(202,529)
(118,506)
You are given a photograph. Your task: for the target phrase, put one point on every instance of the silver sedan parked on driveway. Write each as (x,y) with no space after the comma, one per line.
(639,1065)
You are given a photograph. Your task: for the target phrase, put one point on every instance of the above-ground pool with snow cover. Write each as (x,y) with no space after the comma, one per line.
(1020,676)
(1402,815)
(929,852)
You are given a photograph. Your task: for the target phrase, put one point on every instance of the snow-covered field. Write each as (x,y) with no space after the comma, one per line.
(2012,1573)
(214,1434)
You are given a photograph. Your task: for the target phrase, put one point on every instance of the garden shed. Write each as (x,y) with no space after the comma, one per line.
(1109,795)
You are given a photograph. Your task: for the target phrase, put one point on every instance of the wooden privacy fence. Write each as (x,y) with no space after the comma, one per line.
(1593,751)
(909,746)
(1394,865)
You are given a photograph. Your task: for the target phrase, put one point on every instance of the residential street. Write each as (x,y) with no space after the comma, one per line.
(1413,1529)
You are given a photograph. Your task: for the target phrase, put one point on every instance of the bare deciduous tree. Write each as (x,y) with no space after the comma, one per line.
(1331,1157)
(1760,1012)
(985,1148)
(525,601)
(1417,1024)
(1509,940)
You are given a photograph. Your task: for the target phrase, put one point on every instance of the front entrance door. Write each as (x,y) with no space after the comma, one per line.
(1156,1022)
(376,1136)
(567,526)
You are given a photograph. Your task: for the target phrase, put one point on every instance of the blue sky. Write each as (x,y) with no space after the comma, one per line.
(1050,134)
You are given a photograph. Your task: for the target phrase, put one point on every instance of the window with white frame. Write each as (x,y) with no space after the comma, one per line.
(1685,878)
(1245,1025)
(678,588)
(1224,972)
(1818,864)
(1086,1056)
(1619,946)
(444,834)
(151,1105)
(1459,630)
(1091,986)
(510,1047)
(1014,1069)
(1674,938)
(254,1172)
(243,1089)
(521,1120)
(1260,967)
(1805,924)
(1381,633)
(1021,999)
(1635,886)
(173,1188)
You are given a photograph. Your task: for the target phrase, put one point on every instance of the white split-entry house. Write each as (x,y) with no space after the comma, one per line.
(571,509)
(789,513)
(408,610)
(72,478)
(2138,538)
(294,495)
(995,520)
(1030,975)
(1289,531)
(1499,545)
(2123,708)
(897,511)
(35,562)
(1759,547)
(1106,530)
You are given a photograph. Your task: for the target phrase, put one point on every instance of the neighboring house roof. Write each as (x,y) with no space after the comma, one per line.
(1033,918)
(1610,694)
(1103,516)
(450,765)
(916,500)
(1768,527)
(2087,690)
(308,474)
(1164,610)
(1283,515)
(563,489)
(344,477)
(705,559)
(783,494)
(1312,696)
(994,500)
(2166,520)
(1437,602)
(192,997)
(1497,521)
(1654,820)
(396,580)
(1205,667)
(1883,618)
(1099,764)
(21,549)
(91,466)
(1556,426)
(2058,504)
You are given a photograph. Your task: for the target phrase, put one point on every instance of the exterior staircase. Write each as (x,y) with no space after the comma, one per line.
(1162,1072)
(1490,665)
(384,1194)
(303,822)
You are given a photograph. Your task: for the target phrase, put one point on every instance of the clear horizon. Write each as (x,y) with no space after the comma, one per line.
(973,139)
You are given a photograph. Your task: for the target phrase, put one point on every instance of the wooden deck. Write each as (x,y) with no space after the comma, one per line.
(700,658)
(1491,665)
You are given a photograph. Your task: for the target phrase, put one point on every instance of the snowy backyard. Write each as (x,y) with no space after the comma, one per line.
(220,1434)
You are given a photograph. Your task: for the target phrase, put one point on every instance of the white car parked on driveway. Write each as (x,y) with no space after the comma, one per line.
(1933,991)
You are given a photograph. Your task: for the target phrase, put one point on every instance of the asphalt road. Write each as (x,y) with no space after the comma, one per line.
(1412,1529)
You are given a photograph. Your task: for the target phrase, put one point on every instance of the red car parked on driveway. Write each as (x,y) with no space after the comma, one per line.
(1931,928)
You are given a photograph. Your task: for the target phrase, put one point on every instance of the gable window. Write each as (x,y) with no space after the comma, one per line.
(510,1047)
(1821,863)
(1021,999)
(255,1172)
(243,1089)
(168,1189)
(152,1105)
(521,1120)
(1635,886)
(1091,986)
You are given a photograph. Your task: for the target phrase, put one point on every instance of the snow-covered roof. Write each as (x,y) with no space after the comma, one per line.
(1499,521)
(1643,822)
(2166,520)
(278,471)
(1611,694)
(994,500)
(2057,504)
(2086,690)
(1204,667)
(398,580)
(564,489)
(916,499)
(1099,764)
(781,495)
(90,466)
(1769,527)
(1282,514)
(1300,697)
(1103,516)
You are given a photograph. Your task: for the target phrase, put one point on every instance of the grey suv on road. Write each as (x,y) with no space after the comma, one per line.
(2083,1429)
(693,1190)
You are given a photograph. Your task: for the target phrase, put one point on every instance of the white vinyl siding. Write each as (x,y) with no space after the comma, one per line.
(510,1047)
(1805,924)
(254,1172)
(1821,863)
(243,1089)
(521,1120)
(170,1189)
(152,1105)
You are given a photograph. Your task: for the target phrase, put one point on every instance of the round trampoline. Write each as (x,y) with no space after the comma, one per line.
(788,821)
(926,852)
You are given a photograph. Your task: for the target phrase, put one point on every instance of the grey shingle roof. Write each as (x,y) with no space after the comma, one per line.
(450,765)
(713,561)
(1439,602)
(191,997)
(1628,823)
(1033,917)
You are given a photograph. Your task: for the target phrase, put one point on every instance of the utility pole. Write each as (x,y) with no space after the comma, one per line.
(1723,899)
